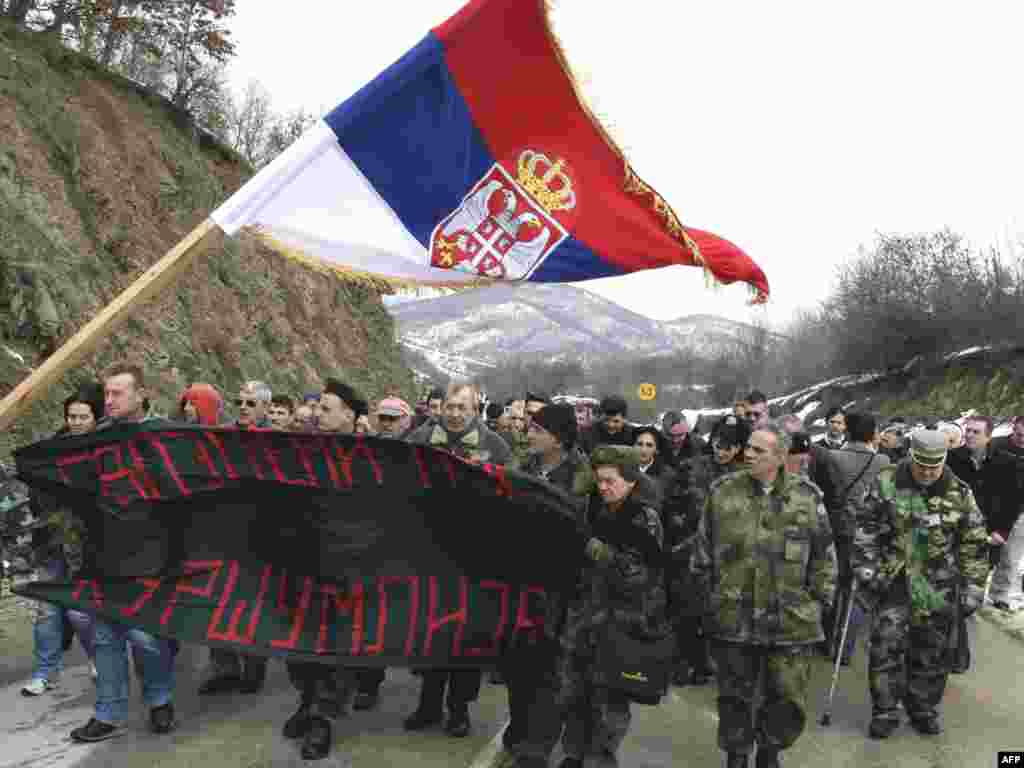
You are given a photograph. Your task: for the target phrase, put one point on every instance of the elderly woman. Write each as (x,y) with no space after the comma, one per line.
(622,585)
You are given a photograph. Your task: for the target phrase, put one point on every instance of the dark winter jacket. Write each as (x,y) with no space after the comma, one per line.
(851,471)
(996,484)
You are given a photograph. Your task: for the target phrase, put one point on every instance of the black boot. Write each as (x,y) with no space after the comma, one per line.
(927,726)
(316,744)
(737,760)
(220,684)
(422,719)
(767,758)
(458,723)
(295,727)
(882,727)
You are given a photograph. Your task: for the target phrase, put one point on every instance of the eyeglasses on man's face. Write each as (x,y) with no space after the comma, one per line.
(242,401)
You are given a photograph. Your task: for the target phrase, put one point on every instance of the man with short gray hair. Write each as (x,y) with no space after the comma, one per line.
(231,670)
(252,403)
(764,553)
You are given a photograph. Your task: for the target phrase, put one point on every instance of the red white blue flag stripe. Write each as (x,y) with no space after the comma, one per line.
(473,158)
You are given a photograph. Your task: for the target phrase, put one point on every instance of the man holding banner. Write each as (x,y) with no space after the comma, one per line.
(325,692)
(461,432)
(124,387)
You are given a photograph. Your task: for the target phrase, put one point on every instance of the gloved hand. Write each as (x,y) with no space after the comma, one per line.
(598,551)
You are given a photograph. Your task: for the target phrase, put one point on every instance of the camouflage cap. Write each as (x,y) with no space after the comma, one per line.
(615,455)
(928,447)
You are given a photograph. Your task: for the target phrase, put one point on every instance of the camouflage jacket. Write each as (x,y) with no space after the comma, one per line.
(628,589)
(681,517)
(767,559)
(934,538)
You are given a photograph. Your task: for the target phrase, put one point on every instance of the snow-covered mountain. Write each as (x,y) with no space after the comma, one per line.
(461,334)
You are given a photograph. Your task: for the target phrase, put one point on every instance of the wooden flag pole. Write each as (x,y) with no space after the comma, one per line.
(149,283)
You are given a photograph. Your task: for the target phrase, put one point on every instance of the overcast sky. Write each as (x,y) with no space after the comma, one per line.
(795,129)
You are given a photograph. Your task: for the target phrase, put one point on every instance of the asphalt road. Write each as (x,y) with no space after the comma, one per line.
(983,712)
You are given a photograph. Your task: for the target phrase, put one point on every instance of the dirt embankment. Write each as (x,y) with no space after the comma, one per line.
(98,181)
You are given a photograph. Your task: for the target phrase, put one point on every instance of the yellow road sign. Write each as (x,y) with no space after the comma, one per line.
(647,391)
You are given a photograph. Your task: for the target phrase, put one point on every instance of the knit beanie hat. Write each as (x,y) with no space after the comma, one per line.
(348,396)
(560,421)
(616,456)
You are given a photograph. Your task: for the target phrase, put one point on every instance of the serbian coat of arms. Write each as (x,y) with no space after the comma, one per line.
(506,227)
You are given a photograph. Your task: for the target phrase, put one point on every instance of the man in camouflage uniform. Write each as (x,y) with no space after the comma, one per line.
(683,510)
(920,554)
(621,584)
(764,549)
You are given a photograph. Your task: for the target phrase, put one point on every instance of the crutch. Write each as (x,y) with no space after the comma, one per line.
(826,718)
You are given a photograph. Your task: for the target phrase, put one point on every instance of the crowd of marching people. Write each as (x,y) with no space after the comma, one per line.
(735,556)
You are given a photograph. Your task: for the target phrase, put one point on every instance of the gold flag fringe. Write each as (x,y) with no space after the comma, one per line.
(376,281)
(631,182)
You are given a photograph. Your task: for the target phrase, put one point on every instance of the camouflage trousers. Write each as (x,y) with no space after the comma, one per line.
(596,717)
(325,690)
(762,695)
(907,662)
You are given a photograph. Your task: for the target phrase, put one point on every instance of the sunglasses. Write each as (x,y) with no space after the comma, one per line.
(239,401)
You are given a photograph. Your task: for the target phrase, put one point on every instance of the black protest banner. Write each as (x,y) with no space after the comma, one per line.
(310,546)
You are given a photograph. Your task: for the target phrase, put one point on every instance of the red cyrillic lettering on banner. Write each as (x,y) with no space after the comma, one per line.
(344,465)
(192,568)
(302,450)
(281,604)
(236,615)
(120,472)
(151,586)
(421,463)
(383,582)
(72,460)
(497,471)
(272,456)
(204,459)
(363,447)
(229,468)
(97,592)
(155,441)
(152,489)
(434,622)
(299,618)
(524,622)
(353,603)
(499,631)
(332,470)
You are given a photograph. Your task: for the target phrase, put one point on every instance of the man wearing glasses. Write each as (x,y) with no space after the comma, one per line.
(230,670)
(252,403)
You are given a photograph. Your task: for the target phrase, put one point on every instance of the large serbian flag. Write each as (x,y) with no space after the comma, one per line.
(473,158)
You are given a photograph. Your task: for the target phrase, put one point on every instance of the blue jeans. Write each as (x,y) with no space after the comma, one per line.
(48,628)
(156,657)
